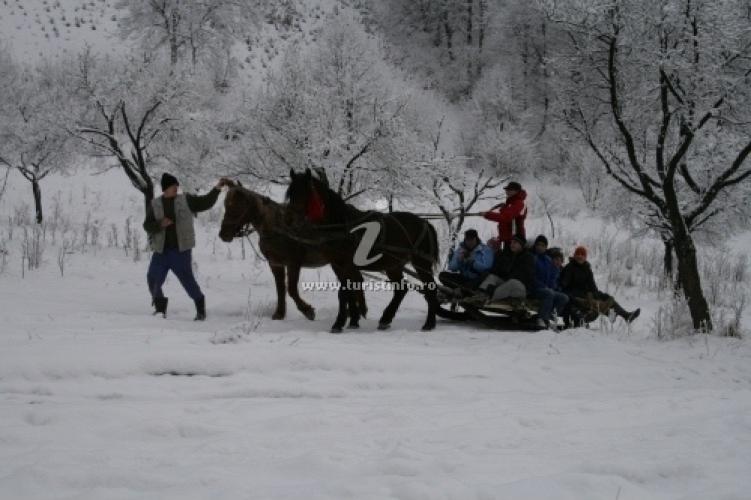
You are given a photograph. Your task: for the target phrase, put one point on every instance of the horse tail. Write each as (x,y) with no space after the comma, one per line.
(434,250)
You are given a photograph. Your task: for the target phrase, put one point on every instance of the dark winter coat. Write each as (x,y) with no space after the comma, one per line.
(578,280)
(510,217)
(516,266)
(556,279)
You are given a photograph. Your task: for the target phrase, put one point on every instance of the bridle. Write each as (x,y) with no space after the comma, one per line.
(244,229)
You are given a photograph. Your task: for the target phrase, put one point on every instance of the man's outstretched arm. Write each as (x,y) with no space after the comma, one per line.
(200,203)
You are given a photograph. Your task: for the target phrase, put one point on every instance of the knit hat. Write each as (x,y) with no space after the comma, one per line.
(580,250)
(541,239)
(168,180)
(514,186)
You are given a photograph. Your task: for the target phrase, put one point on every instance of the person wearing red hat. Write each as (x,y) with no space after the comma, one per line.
(578,282)
(511,214)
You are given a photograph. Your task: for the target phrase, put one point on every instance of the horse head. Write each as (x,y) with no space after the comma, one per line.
(238,210)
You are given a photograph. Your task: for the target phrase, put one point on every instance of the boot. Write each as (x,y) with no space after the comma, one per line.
(160,306)
(628,316)
(200,309)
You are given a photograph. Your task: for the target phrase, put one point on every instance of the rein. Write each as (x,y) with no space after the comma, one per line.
(452,215)
(244,229)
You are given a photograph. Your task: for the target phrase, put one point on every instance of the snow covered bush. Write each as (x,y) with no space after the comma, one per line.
(32,248)
(672,319)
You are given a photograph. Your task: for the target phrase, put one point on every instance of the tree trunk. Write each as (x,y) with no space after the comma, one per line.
(470,4)
(37,200)
(545,76)
(690,282)
(148,196)
(667,258)
(525,63)
(449,34)
(480,36)
(173,36)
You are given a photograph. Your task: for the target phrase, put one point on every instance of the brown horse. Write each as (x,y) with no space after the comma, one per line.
(285,254)
(353,240)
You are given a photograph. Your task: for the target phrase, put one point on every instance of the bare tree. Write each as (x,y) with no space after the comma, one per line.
(659,91)
(33,139)
(456,196)
(140,115)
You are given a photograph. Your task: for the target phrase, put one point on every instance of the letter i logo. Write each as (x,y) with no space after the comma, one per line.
(372,230)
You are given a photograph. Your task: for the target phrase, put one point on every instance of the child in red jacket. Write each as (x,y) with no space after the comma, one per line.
(511,215)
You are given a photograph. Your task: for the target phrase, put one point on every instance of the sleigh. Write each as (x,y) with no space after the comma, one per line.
(508,314)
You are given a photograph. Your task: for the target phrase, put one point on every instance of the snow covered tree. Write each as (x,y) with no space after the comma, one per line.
(141,115)
(660,91)
(33,137)
(447,42)
(496,134)
(337,106)
(194,29)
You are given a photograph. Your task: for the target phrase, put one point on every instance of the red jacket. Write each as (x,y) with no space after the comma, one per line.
(510,217)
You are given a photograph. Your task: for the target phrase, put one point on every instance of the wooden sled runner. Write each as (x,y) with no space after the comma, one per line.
(508,315)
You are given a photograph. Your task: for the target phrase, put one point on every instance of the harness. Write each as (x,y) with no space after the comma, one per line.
(341,232)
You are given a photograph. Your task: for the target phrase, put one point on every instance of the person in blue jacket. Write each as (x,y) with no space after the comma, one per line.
(546,284)
(469,263)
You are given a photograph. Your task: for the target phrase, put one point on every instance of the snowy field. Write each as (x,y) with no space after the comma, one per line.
(99,399)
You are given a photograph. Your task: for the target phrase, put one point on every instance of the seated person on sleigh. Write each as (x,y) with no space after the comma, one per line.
(530,278)
(469,263)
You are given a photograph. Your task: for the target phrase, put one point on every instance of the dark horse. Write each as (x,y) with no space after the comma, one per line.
(353,240)
(285,253)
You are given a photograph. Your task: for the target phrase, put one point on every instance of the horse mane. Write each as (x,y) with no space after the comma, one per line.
(264,211)
(337,208)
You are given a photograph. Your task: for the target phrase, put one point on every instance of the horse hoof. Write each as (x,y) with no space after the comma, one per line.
(309,314)
(277,315)
(336,329)
(427,328)
(353,327)
(384,326)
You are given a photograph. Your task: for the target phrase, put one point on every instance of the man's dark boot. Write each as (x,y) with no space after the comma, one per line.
(628,316)
(160,306)
(200,309)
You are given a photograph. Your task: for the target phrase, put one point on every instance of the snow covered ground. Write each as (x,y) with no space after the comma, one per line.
(99,399)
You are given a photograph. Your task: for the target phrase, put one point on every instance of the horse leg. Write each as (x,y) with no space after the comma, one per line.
(362,305)
(343,296)
(293,276)
(355,283)
(430,291)
(281,293)
(395,276)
